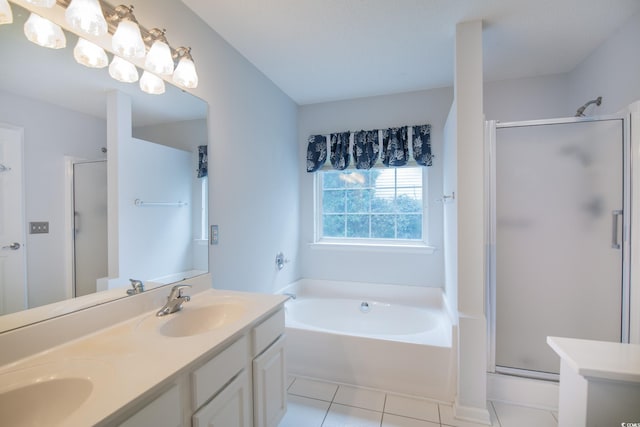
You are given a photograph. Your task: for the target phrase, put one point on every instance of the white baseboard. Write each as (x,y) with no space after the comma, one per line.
(471,413)
(523,391)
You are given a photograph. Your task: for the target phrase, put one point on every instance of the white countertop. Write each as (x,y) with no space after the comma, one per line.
(599,359)
(131,358)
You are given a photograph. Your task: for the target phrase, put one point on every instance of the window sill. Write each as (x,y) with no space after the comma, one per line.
(374,247)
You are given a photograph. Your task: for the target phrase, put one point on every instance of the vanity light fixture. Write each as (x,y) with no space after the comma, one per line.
(123,70)
(185,73)
(89,54)
(127,41)
(42,3)
(159,59)
(152,84)
(6,16)
(86,16)
(44,32)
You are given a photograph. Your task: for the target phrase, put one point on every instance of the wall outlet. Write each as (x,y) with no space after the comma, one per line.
(41,227)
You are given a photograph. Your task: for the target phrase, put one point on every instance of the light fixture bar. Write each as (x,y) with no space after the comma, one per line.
(110,14)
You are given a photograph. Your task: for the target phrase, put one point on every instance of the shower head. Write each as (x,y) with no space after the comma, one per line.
(580,111)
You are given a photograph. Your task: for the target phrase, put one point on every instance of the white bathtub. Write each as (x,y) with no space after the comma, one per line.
(389,337)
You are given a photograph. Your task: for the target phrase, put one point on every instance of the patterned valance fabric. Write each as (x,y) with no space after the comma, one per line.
(366,148)
(340,150)
(393,147)
(421,145)
(316,152)
(203,160)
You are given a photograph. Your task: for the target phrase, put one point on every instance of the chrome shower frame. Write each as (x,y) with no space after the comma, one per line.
(490,232)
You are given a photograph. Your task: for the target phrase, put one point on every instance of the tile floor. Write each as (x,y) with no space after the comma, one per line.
(314,403)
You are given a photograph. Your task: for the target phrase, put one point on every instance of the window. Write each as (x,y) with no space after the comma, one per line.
(385,204)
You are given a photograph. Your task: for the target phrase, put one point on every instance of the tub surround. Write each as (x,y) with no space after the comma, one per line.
(413,357)
(138,358)
(599,382)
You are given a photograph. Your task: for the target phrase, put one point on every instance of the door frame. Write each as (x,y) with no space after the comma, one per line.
(490,233)
(22,209)
(69,222)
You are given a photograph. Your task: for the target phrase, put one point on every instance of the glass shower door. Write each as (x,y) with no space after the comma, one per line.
(90,225)
(559,260)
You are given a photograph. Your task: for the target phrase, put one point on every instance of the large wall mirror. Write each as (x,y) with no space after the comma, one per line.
(92,213)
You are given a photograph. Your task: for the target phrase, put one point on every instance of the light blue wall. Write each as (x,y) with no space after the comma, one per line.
(611,71)
(253,168)
(362,265)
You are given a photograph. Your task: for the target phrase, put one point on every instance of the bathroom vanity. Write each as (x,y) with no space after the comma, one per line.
(599,382)
(218,361)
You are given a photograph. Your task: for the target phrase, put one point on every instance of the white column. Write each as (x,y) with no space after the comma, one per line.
(119,128)
(471,399)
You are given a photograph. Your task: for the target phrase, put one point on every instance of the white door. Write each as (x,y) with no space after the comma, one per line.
(13,295)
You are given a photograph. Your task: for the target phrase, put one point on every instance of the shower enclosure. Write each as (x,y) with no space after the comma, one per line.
(558,238)
(90,225)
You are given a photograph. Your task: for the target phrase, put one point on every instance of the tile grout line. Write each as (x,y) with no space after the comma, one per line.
(495,412)
(384,407)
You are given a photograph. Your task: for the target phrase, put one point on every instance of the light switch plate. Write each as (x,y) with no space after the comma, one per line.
(213,236)
(40,227)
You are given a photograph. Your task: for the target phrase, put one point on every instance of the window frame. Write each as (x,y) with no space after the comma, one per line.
(370,243)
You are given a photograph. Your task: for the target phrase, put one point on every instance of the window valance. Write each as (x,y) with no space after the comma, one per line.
(202,161)
(391,146)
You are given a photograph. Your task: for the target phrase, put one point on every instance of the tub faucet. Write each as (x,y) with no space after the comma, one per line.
(137,287)
(290,295)
(174,300)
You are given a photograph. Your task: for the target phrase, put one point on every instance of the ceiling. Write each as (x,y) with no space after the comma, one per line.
(324,50)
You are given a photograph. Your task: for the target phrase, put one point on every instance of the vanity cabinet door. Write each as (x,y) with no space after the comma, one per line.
(269,385)
(164,411)
(230,408)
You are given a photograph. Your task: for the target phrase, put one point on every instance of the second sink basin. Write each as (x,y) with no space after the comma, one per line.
(44,403)
(197,320)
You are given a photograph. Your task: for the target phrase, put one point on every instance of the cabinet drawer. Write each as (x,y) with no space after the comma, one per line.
(164,411)
(213,375)
(267,332)
(230,408)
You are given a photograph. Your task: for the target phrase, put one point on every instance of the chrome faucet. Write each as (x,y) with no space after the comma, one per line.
(137,287)
(174,300)
(291,295)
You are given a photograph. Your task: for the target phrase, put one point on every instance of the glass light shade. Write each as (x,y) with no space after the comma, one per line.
(127,41)
(44,32)
(42,3)
(89,54)
(86,16)
(123,71)
(150,83)
(159,58)
(6,16)
(185,74)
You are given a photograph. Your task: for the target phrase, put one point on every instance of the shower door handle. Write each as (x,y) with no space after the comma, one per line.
(614,229)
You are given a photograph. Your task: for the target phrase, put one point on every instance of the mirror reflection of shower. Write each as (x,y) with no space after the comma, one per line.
(580,111)
(90,225)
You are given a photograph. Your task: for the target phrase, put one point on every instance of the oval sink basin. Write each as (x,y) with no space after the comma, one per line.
(194,321)
(43,403)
